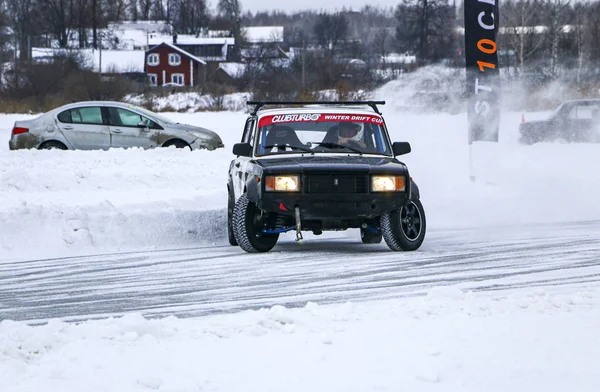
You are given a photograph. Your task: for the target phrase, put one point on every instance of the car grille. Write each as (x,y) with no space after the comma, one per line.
(336,183)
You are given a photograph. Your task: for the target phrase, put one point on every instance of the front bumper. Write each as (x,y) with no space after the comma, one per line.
(335,206)
(207,144)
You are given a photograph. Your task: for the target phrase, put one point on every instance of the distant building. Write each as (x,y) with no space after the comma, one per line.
(209,49)
(167,64)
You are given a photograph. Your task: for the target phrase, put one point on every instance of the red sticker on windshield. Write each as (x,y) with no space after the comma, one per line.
(319,117)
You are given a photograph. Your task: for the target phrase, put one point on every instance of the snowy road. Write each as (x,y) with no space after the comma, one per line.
(206,280)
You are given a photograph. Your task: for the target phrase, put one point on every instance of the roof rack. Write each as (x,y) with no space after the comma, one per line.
(260,104)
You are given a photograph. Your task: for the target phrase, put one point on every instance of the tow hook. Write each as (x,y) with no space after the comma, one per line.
(298,227)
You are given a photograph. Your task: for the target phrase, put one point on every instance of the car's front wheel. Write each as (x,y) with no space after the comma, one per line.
(230,206)
(248,226)
(404,229)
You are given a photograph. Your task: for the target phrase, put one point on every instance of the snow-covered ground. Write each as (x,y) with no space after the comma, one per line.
(64,203)
(56,203)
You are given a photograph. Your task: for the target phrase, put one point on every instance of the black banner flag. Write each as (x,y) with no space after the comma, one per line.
(481,55)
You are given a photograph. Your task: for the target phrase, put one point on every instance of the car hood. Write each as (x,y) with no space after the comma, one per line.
(197,131)
(333,163)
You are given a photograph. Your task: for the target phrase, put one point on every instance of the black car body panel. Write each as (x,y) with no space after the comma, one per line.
(332,186)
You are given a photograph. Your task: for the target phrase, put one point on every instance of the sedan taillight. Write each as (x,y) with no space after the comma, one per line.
(18,130)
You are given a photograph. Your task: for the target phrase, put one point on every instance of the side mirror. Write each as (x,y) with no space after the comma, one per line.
(401,148)
(143,124)
(243,149)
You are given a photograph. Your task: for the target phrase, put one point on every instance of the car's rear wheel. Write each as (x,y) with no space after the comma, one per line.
(230,206)
(248,225)
(370,237)
(52,145)
(404,229)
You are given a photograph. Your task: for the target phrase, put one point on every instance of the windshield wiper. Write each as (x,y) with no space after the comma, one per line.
(302,148)
(336,145)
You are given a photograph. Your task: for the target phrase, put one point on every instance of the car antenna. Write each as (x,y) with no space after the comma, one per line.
(260,104)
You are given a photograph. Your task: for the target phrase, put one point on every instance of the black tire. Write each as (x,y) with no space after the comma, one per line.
(52,145)
(404,229)
(177,143)
(230,206)
(370,237)
(247,228)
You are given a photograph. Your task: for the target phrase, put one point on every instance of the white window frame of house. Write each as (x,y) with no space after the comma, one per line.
(153,56)
(153,78)
(178,75)
(174,59)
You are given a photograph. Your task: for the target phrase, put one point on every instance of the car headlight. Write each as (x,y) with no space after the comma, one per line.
(282,183)
(388,184)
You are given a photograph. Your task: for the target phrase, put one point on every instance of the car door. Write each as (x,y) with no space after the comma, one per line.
(85,128)
(126,131)
(584,128)
(239,168)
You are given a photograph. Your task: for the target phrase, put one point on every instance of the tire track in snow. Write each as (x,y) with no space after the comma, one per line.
(198,281)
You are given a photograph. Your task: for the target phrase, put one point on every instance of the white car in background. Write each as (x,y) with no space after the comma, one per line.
(100,125)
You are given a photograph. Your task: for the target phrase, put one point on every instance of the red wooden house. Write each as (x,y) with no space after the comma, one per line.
(166,64)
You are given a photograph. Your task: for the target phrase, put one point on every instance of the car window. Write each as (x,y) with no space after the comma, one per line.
(89,115)
(323,133)
(65,117)
(127,118)
(248,128)
(584,112)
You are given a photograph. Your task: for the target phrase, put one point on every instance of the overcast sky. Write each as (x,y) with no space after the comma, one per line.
(296,5)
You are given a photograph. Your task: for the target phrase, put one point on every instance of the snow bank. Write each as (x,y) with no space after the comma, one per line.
(60,202)
(449,340)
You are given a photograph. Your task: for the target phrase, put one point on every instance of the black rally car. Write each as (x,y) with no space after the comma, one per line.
(321,166)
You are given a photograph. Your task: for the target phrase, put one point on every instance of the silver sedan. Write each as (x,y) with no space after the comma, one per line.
(102,125)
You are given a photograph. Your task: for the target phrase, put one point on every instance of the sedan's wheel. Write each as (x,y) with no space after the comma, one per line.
(230,206)
(247,227)
(177,144)
(404,229)
(52,145)
(370,237)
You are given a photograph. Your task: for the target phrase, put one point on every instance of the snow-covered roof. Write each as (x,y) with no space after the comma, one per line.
(118,61)
(235,70)
(398,58)
(185,53)
(186,39)
(258,34)
(144,25)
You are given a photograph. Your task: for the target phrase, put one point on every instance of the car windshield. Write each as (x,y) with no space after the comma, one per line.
(322,133)
(152,114)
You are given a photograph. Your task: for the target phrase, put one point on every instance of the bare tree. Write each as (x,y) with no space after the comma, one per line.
(23,18)
(231,12)
(189,16)
(519,31)
(330,30)
(58,18)
(115,10)
(82,13)
(593,25)
(145,8)
(557,18)
(425,27)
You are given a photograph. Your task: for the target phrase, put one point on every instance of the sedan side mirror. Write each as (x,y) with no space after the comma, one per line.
(401,148)
(242,149)
(143,124)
